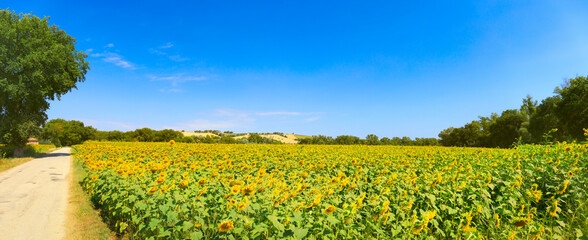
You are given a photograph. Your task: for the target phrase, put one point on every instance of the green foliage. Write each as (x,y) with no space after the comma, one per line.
(372,139)
(167,135)
(29,150)
(67,133)
(572,111)
(347,140)
(567,112)
(38,63)
(255,138)
(144,135)
(545,119)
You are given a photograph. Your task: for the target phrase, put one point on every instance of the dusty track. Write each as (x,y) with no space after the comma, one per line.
(33,198)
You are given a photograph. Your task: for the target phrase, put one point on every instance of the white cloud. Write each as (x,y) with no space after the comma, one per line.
(178,58)
(162,50)
(177,78)
(231,119)
(230,113)
(202,124)
(115,59)
(312,119)
(168,45)
(89,50)
(155,51)
(282,113)
(171,90)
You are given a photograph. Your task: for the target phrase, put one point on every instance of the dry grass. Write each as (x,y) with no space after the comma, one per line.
(82,220)
(192,134)
(289,139)
(8,163)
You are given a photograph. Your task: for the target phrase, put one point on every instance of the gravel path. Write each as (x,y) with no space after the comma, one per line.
(33,198)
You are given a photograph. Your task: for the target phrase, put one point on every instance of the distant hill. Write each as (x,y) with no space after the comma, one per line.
(286,138)
(192,134)
(289,139)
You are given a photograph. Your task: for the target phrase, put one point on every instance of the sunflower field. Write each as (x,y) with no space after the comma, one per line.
(215,191)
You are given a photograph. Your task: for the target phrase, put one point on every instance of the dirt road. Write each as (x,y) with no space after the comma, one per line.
(33,198)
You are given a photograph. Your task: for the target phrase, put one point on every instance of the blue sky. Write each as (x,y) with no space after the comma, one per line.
(391,68)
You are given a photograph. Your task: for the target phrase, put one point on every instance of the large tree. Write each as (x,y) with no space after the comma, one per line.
(572,110)
(38,64)
(67,133)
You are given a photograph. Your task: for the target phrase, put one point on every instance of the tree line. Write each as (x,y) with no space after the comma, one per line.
(370,139)
(61,132)
(562,117)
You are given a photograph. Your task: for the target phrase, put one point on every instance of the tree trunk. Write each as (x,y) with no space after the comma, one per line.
(18,152)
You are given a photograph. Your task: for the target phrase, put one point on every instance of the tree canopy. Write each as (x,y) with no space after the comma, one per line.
(558,118)
(67,133)
(38,64)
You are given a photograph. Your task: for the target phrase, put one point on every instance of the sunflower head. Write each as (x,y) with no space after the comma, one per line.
(226,226)
(184,183)
(235,189)
(242,205)
(330,209)
(153,189)
(202,181)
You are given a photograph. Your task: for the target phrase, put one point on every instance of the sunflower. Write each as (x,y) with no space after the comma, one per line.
(226,226)
(520,222)
(248,189)
(554,213)
(160,180)
(242,205)
(566,182)
(235,189)
(153,189)
(330,209)
(202,181)
(184,183)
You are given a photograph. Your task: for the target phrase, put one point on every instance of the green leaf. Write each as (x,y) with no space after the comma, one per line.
(274,220)
(396,231)
(153,223)
(196,235)
(164,234)
(299,233)
(122,227)
(332,220)
(297,217)
(187,225)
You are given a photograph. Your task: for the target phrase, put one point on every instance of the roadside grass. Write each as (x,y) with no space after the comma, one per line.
(9,163)
(83,221)
(31,152)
